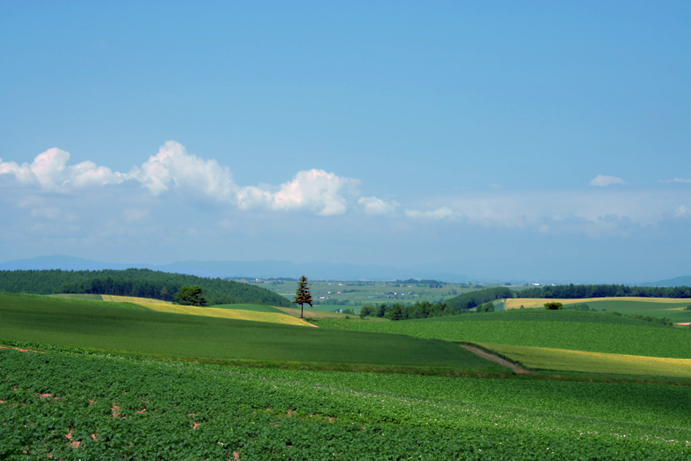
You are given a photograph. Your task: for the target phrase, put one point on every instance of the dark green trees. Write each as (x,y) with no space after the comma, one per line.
(553,306)
(302,294)
(191,296)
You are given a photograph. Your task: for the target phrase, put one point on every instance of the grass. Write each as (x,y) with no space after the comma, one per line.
(251,312)
(543,358)
(78,296)
(78,324)
(624,336)
(60,300)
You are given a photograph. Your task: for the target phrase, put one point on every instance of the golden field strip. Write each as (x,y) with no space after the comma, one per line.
(516,303)
(544,358)
(165,306)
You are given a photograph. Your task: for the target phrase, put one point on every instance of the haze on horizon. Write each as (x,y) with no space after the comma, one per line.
(532,140)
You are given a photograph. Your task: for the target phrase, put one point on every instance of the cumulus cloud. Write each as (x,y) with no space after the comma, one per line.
(174,169)
(677,180)
(604,181)
(49,170)
(377,206)
(315,190)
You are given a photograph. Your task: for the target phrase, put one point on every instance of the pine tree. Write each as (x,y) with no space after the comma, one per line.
(302,294)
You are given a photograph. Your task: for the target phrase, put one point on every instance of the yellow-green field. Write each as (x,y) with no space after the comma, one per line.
(237,314)
(593,362)
(516,303)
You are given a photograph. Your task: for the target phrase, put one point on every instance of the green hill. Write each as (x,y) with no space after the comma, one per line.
(583,331)
(93,324)
(143,283)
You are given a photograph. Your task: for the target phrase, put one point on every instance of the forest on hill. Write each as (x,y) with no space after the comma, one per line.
(143,283)
(603,291)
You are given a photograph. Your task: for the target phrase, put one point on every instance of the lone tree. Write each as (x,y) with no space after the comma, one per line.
(191,296)
(302,294)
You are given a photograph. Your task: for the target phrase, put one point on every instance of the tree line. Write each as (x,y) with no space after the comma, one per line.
(602,291)
(143,283)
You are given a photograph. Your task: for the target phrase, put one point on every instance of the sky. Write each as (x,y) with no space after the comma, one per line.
(518,140)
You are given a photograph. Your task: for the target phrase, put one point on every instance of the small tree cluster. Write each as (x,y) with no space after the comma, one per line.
(553,306)
(191,296)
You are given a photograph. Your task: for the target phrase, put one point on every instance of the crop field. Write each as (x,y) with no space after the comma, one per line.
(72,406)
(594,362)
(95,325)
(79,296)
(251,312)
(357,293)
(310,313)
(543,315)
(625,337)
(671,308)
(249,307)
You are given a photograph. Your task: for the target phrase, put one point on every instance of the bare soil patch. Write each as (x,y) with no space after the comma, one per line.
(499,360)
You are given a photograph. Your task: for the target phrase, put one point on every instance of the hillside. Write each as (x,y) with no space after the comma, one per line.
(475,298)
(94,324)
(572,330)
(143,283)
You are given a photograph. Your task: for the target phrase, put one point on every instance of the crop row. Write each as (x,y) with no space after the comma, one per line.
(101,407)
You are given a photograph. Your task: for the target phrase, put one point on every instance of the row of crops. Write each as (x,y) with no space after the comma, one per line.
(77,406)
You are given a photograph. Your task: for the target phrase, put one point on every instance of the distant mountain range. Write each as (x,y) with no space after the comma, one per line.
(684,281)
(254,269)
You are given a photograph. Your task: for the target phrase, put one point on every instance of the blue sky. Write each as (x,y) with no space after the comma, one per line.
(520,140)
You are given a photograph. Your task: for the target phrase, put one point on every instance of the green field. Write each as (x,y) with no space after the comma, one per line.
(674,311)
(75,406)
(248,307)
(114,380)
(93,324)
(543,358)
(670,308)
(553,329)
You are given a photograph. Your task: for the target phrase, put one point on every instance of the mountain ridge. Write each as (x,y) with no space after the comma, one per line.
(249,269)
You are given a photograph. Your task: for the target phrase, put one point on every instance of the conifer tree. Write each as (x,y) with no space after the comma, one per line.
(302,294)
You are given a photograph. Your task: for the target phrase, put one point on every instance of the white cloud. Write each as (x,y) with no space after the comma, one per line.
(314,190)
(49,170)
(174,169)
(377,206)
(594,212)
(604,181)
(677,180)
(439,213)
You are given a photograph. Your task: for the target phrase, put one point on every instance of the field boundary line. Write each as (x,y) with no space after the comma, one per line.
(491,357)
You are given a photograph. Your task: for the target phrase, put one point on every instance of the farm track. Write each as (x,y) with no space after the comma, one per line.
(499,360)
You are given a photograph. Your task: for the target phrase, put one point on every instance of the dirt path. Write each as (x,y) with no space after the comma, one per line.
(500,361)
